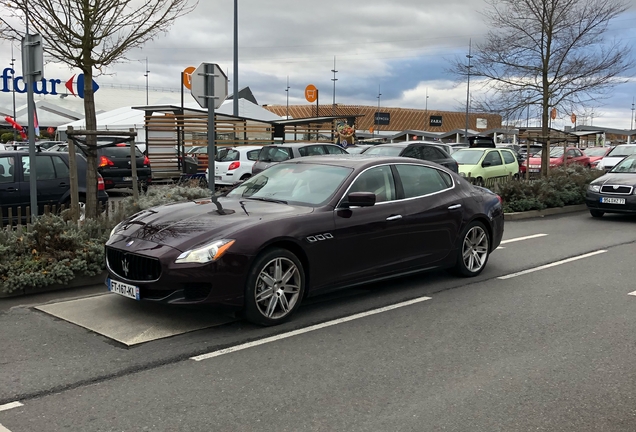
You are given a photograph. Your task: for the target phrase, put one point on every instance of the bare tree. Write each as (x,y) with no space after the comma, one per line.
(550,53)
(90,35)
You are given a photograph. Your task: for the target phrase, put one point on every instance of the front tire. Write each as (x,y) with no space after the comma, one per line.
(474,250)
(275,287)
(597,213)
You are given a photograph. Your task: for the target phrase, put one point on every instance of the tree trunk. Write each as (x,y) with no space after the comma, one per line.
(91,143)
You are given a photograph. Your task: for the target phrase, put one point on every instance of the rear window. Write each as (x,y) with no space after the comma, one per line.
(274,154)
(384,151)
(230,155)
(118,152)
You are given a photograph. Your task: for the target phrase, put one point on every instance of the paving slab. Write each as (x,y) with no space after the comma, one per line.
(131,322)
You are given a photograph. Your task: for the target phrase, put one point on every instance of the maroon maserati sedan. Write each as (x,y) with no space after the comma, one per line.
(304,227)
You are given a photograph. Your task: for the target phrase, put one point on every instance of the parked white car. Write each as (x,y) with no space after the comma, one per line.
(616,155)
(233,164)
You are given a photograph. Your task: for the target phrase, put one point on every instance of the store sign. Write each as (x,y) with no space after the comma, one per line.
(435,121)
(43,87)
(382,118)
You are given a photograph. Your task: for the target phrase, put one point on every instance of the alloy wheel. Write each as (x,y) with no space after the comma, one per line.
(277,288)
(475,249)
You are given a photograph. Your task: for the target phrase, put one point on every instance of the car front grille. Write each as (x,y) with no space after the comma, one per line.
(617,189)
(131,266)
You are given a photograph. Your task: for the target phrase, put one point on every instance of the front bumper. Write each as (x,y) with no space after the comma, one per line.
(219,283)
(593,201)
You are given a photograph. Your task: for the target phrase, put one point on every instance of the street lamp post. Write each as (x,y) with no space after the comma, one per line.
(469,56)
(146,75)
(334,79)
(375,121)
(236,88)
(631,125)
(287,91)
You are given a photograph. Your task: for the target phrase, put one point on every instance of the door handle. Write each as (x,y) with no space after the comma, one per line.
(455,207)
(394,217)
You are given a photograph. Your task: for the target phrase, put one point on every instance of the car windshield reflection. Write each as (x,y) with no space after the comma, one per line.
(627,165)
(468,156)
(301,184)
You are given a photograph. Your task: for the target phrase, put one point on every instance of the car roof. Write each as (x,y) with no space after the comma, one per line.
(358,160)
(297,145)
(242,147)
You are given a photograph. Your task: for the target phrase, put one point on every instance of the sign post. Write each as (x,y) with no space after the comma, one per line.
(32,69)
(208,86)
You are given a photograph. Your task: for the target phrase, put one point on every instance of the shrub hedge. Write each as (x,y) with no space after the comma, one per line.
(564,186)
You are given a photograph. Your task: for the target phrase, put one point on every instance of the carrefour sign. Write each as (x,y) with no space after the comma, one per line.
(75,84)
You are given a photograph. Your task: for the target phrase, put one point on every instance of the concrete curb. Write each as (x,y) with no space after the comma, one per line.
(541,213)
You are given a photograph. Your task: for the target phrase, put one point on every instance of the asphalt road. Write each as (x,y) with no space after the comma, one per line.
(542,340)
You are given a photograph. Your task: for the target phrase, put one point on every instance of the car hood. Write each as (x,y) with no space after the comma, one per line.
(184,225)
(616,179)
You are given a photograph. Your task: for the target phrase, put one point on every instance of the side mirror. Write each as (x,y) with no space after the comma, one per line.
(360,199)
(486,164)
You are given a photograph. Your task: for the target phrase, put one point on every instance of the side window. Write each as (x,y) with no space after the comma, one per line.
(44,168)
(508,157)
(61,170)
(332,149)
(378,180)
(313,150)
(253,155)
(413,151)
(494,158)
(571,153)
(6,170)
(420,180)
(431,153)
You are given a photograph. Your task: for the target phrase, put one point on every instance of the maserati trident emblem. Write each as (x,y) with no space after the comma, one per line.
(124,266)
(615,187)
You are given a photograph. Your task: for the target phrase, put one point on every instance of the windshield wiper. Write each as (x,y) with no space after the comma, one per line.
(274,200)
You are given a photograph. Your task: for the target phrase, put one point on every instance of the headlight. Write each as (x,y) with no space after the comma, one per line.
(204,254)
(462,174)
(594,188)
(600,166)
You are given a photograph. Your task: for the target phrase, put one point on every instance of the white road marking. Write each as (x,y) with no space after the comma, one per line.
(501,247)
(632,293)
(10,405)
(307,329)
(3,429)
(556,263)
(512,240)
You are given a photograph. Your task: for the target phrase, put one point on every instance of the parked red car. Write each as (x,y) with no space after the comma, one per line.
(574,155)
(596,154)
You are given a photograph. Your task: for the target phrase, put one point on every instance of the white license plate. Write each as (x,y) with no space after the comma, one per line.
(608,200)
(217,177)
(536,170)
(124,289)
(127,178)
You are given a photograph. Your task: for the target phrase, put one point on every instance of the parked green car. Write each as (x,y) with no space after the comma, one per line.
(484,164)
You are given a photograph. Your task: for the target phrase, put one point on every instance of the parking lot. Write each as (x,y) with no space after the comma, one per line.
(540,340)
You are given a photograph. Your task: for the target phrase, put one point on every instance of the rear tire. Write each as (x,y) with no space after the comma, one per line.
(597,213)
(474,250)
(275,286)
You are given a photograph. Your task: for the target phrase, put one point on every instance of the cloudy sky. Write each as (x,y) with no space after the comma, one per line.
(399,49)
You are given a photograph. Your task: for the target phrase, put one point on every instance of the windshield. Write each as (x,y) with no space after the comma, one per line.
(274,154)
(384,151)
(303,184)
(627,165)
(595,151)
(468,157)
(355,150)
(619,151)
